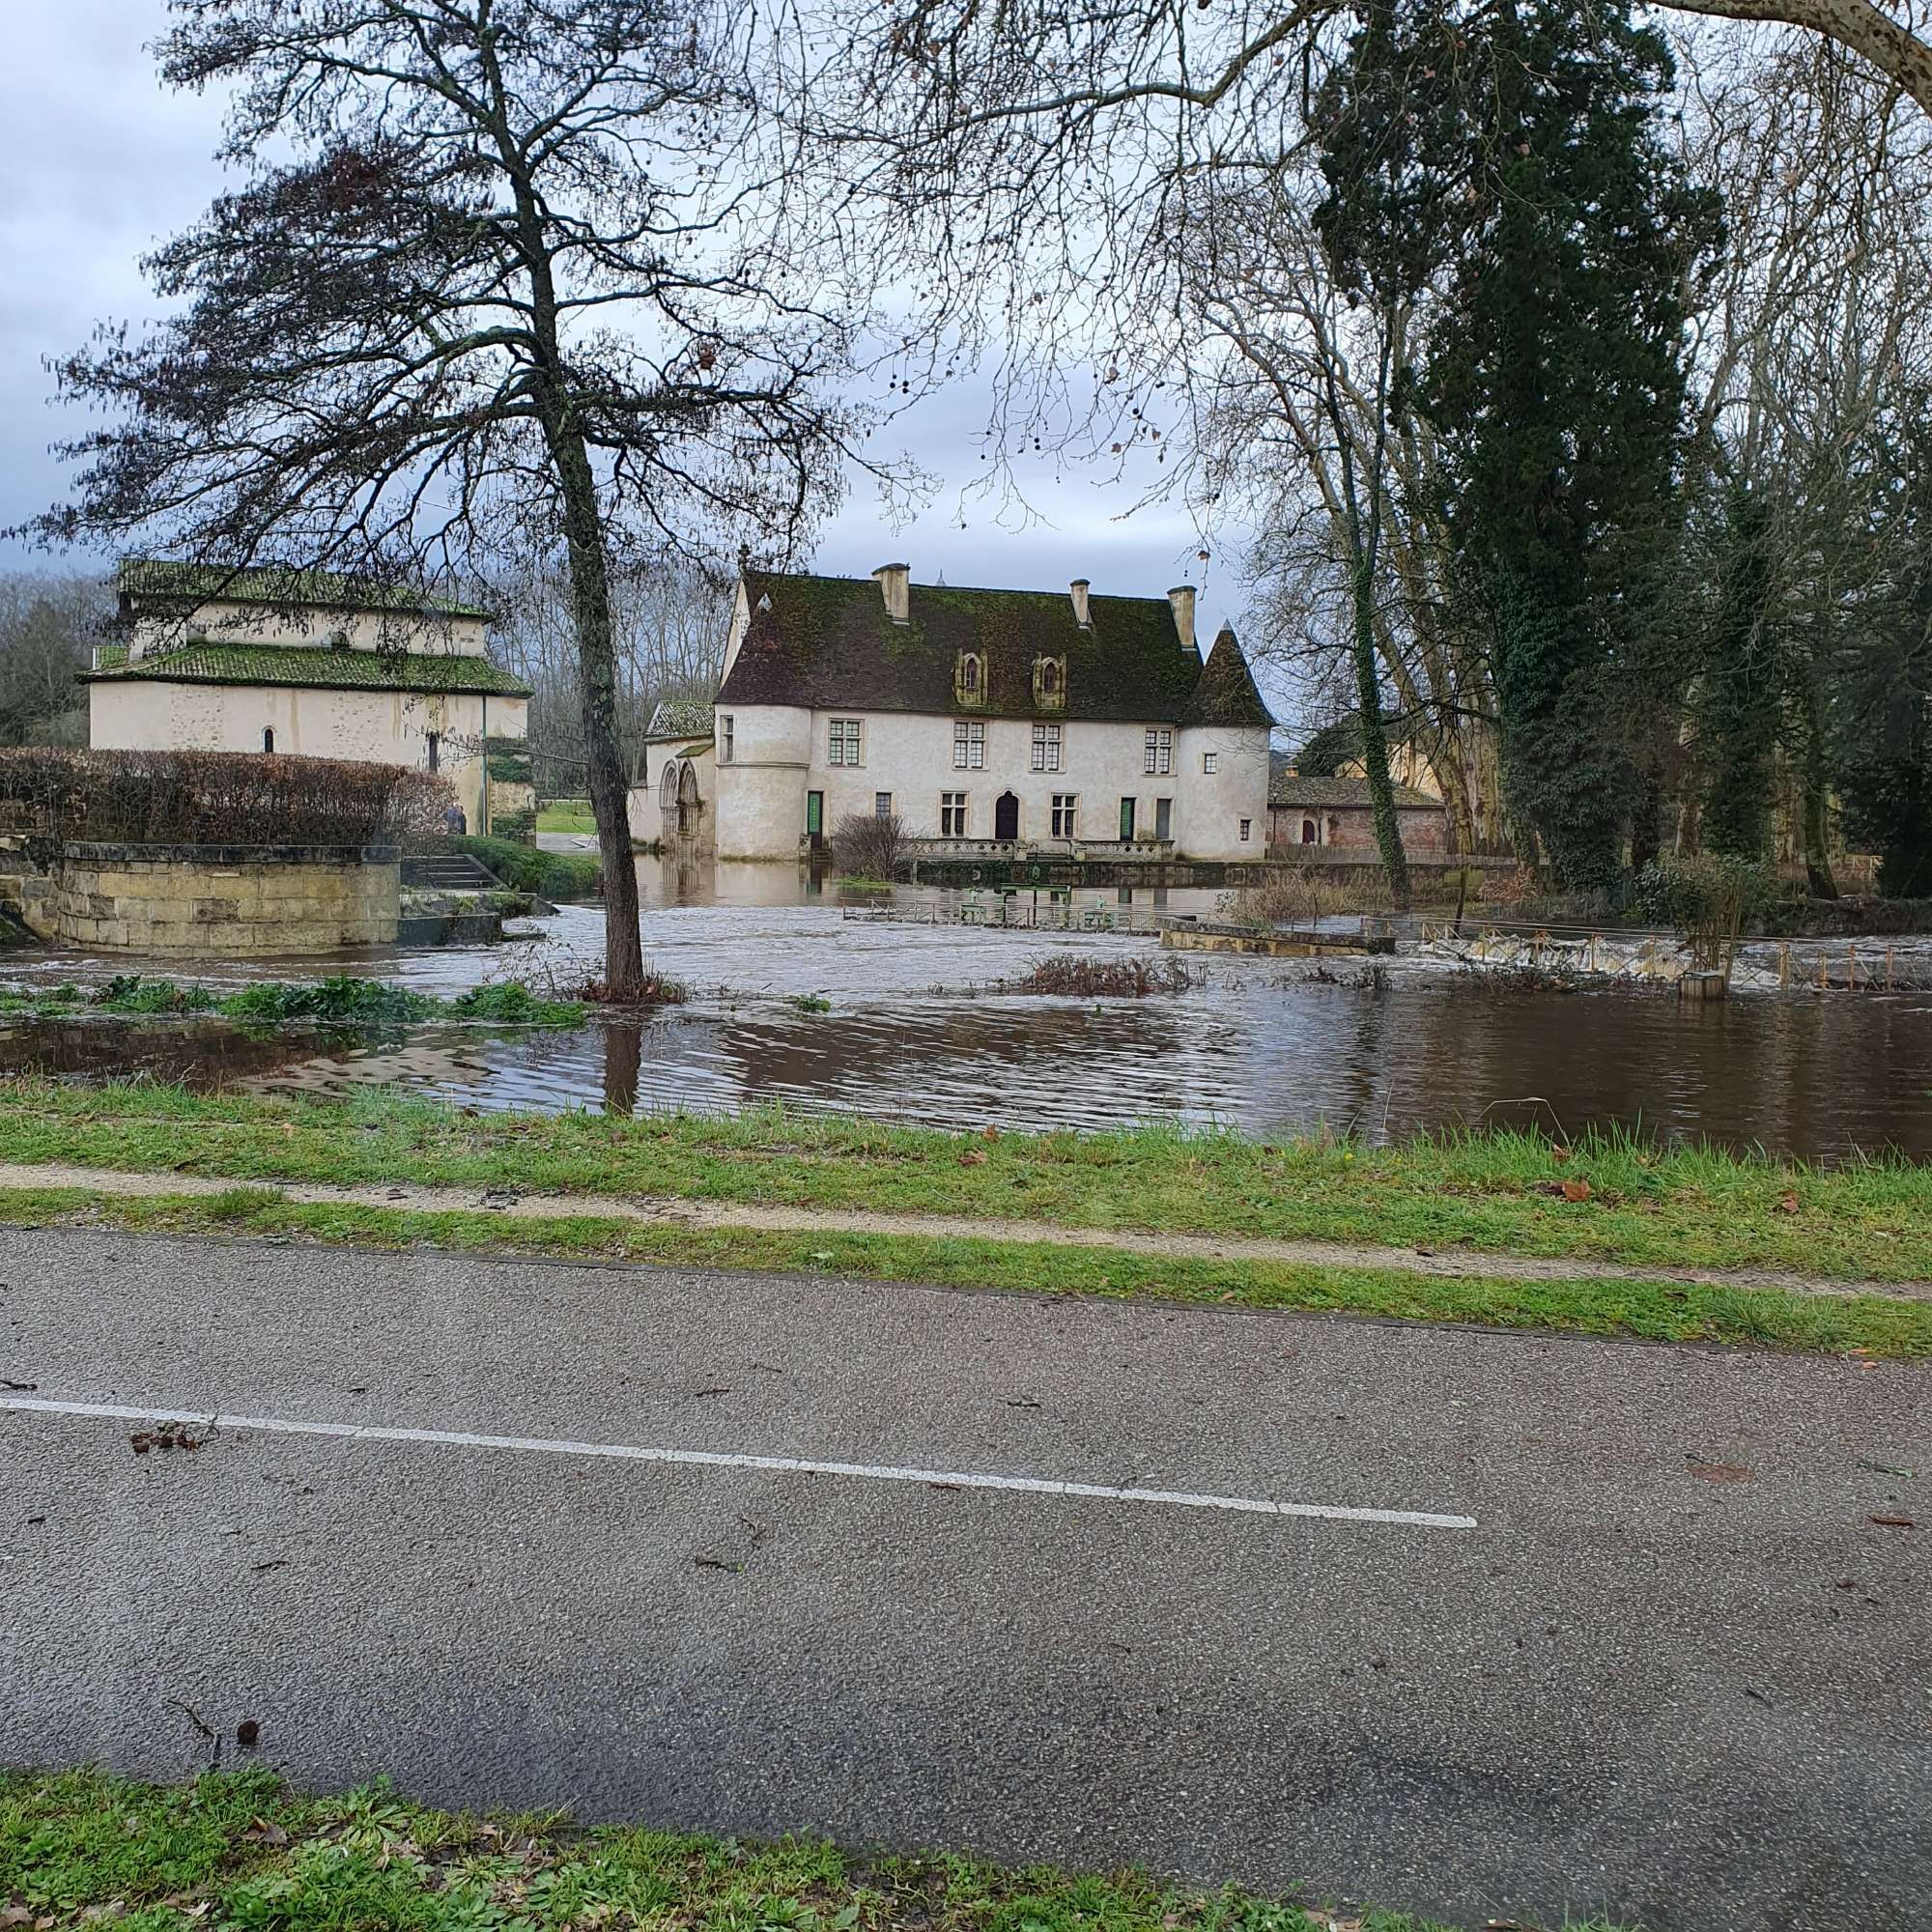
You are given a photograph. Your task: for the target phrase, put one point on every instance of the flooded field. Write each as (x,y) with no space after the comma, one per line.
(916,1031)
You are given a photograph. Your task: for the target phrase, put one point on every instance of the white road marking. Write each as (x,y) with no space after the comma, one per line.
(798,1465)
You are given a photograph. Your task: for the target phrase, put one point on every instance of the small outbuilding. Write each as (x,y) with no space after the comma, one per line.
(1313,817)
(315,663)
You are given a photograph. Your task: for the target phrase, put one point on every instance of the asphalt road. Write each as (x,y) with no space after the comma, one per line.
(1695,1703)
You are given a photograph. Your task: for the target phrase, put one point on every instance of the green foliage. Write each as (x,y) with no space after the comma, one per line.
(1515,156)
(1883,722)
(1331,749)
(1738,703)
(512,1004)
(1713,899)
(550,875)
(131,993)
(340,1001)
(244,1854)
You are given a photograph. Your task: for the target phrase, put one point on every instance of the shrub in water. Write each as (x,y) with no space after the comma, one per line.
(512,1004)
(341,1001)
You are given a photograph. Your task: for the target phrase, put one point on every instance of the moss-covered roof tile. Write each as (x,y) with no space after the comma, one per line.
(319,669)
(826,643)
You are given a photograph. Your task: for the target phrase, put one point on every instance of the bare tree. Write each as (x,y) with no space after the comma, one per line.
(49,625)
(492,279)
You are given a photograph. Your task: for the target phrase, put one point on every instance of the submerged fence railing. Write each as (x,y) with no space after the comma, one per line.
(1022,909)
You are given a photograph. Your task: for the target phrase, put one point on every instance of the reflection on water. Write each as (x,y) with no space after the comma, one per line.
(1257,1048)
(1813,1078)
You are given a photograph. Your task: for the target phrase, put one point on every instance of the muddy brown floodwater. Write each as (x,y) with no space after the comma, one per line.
(1260,1045)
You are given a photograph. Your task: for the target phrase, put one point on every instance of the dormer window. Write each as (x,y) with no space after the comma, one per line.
(969,673)
(969,680)
(1049,683)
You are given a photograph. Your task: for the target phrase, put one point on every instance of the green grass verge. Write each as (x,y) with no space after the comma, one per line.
(342,1001)
(1499,1193)
(550,819)
(241,1853)
(1658,1310)
(551,875)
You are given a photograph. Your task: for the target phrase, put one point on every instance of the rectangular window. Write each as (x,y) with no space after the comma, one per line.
(1046,748)
(1211,763)
(728,731)
(969,748)
(1159,759)
(1247,830)
(1064,804)
(1163,818)
(882,805)
(436,751)
(952,814)
(842,745)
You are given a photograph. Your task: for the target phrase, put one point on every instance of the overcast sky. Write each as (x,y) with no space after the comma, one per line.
(104,163)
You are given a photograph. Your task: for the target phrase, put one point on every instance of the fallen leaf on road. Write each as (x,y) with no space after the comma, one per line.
(972,1158)
(1717,1472)
(1894,1521)
(265,1831)
(28,1386)
(990,1134)
(1578,1190)
(1787,1204)
(695,1393)
(247,1733)
(717,1563)
(15,1914)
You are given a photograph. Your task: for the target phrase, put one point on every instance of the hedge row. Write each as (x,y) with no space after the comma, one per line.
(196,798)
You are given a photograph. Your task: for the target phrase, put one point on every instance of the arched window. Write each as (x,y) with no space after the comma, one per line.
(267,741)
(969,673)
(1049,678)
(1309,835)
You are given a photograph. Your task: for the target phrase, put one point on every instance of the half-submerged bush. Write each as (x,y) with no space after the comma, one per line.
(342,1001)
(218,798)
(868,846)
(510,1003)
(1134,977)
(1288,896)
(1711,897)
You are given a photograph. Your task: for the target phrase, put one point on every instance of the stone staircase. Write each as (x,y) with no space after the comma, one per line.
(449,872)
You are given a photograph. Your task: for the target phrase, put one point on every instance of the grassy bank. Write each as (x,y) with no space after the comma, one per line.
(1654,1311)
(1609,1199)
(550,875)
(242,1851)
(342,1000)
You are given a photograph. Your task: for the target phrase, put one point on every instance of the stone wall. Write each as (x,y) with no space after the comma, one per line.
(215,901)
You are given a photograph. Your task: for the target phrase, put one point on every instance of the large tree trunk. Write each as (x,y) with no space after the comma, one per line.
(1375,739)
(597,672)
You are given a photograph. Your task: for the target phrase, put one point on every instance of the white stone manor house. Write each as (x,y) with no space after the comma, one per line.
(995,720)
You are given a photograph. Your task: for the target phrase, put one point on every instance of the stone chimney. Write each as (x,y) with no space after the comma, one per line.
(895,581)
(1078,590)
(1181,597)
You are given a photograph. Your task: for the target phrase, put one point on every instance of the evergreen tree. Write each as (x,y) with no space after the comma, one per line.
(1511,155)
(1737,697)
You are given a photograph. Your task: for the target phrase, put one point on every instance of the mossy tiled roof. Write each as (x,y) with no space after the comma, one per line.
(680,718)
(1226,693)
(826,643)
(328,589)
(1289,789)
(318,669)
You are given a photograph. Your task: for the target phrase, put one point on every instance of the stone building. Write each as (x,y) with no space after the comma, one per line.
(992,721)
(1319,818)
(316,665)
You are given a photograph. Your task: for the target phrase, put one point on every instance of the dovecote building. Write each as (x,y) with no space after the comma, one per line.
(998,720)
